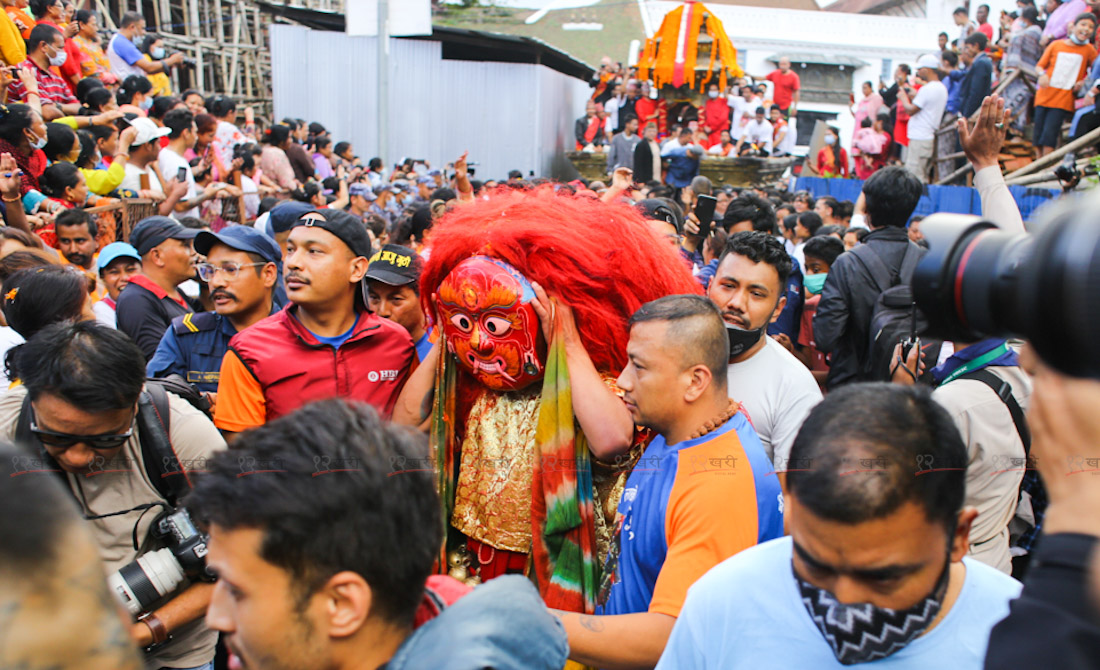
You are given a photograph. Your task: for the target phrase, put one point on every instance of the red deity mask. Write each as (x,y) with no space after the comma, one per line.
(490,325)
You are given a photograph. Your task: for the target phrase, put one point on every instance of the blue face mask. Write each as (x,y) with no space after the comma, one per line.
(815,283)
(157,53)
(1078,42)
(146,104)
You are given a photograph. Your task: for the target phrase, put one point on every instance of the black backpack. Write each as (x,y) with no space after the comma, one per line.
(895,315)
(162,464)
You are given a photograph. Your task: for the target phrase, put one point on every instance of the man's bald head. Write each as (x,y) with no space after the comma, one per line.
(696,332)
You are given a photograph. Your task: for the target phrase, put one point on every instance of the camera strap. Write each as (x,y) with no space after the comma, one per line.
(1004,391)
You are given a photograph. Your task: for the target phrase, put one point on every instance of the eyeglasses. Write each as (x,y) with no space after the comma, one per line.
(231,270)
(66,440)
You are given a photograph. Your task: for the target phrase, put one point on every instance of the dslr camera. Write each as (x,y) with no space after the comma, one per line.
(160,573)
(977,281)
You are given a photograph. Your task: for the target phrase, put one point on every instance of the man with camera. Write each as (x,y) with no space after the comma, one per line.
(124,452)
(126,59)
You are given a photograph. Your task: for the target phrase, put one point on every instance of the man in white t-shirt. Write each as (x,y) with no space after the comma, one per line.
(140,175)
(874,572)
(925,113)
(172,164)
(775,388)
(758,131)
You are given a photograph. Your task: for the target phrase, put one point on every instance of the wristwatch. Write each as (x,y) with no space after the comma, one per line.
(161,636)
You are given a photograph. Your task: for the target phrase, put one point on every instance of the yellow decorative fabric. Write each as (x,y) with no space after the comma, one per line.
(493,492)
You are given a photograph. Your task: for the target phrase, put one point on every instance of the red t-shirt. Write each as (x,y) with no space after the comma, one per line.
(785,86)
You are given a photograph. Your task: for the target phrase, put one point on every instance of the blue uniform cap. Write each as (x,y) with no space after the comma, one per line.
(241,238)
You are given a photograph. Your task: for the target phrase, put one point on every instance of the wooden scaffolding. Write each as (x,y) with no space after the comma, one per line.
(226,40)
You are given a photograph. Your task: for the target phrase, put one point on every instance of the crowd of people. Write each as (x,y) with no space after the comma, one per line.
(321,413)
(1045,57)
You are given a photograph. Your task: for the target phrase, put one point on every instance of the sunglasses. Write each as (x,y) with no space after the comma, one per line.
(65,440)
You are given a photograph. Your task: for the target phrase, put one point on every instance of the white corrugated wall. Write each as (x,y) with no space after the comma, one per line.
(507,115)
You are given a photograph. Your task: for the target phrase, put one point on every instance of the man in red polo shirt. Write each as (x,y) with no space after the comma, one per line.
(787,86)
(325,344)
(151,300)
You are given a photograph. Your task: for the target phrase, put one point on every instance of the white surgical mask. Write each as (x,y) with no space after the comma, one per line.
(830,139)
(59,59)
(37,142)
(712,94)
(146,104)
(157,53)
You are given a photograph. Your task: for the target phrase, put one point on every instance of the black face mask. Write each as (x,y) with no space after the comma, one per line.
(743,340)
(862,632)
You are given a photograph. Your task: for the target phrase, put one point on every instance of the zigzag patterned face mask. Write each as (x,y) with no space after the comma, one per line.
(863,632)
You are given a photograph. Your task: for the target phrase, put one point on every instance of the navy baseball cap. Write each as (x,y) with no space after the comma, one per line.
(241,238)
(348,228)
(284,215)
(152,231)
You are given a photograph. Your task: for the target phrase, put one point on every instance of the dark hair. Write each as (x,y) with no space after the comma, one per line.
(84,16)
(95,100)
(190,92)
(774,108)
(961,10)
(374,163)
(750,207)
(377,517)
(829,230)
(129,19)
(951,57)
(979,39)
(21,260)
(14,119)
(890,195)
(761,247)
(23,237)
(75,217)
(860,233)
(162,105)
(180,121)
(276,135)
(135,83)
(1030,14)
(866,122)
(266,205)
(377,225)
(811,221)
(341,147)
(1085,16)
(805,196)
(192,222)
(57,178)
(204,123)
(904,67)
(824,247)
(86,86)
(247,153)
(790,222)
(291,123)
(695,324)
(101,132)
(220,105)
(148,41)
(36,297)
(443,193)
(59,141)
(321,143)
(307,192)
(41,33)
(900,426)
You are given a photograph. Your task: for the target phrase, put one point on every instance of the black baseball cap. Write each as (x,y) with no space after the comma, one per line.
(241,238)
(152,231)
(395,265)
(348,228)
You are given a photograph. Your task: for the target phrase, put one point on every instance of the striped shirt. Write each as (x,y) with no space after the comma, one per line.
(51,88)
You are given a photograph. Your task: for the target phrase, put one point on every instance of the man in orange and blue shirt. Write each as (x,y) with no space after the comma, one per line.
(703,491)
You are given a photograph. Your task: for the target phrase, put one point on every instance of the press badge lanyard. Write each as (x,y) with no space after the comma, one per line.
(977,363)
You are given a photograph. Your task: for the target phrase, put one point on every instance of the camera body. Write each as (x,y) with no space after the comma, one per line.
(977,281)
(156,574)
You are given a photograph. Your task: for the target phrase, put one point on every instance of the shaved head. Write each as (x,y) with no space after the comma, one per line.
(695,332)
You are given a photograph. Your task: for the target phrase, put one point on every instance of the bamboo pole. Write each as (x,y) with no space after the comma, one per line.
(1054,156)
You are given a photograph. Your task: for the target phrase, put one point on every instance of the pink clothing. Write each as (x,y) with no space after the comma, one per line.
(276,166)
(867,108)
(868,141)
(226,138)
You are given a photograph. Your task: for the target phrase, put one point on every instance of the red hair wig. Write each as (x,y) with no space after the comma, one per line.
(600,258)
